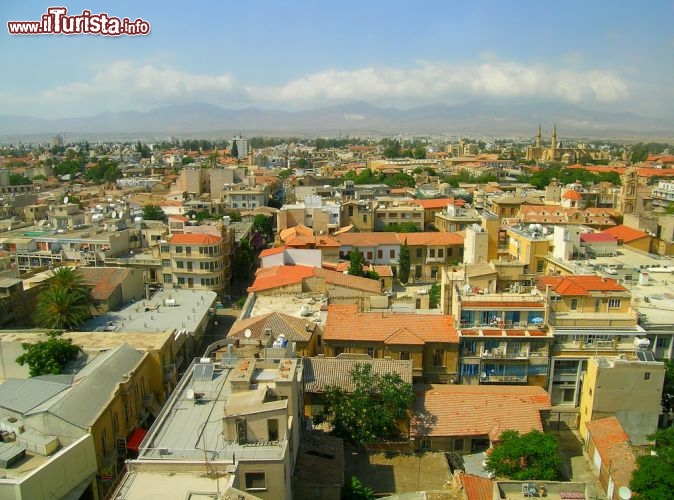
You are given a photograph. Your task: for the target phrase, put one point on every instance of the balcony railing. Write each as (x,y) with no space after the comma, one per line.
(504,379)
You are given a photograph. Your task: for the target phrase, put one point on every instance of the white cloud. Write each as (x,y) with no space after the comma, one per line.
(432,81)
(125,84)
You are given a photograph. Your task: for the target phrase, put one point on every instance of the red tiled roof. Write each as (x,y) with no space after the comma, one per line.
(612,444)
(268,278)
(476,487)
(294,329)
(104,280)
(580,285)
(272,251)
(434,202)
(194,239)
(431,239)
(597,238)
(344,322)
(626,233)
(182,218)
(369,239)
(572,195)
(454,408)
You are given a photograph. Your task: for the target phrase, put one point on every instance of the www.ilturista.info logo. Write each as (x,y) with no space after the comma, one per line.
(57,22)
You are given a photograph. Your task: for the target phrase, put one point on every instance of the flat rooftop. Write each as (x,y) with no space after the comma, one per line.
(190,428)
(307,306)
(178,309)
(149,485)
(87,233)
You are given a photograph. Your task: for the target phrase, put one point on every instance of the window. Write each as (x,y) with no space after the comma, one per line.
(272,429)
(380,254)
(441,253)
(180,264)
(647,376)
(104,442)
(425,444)
(181,281)
(431,253)
(179,249)
(458,445)
(419,252)
(662,342)
(167,278)
(392,254)
(372,352)
(539,266)
(256,481)
(350,210)
(364,217)
(164,249)
(405,355)
(438,357)
(166,262)
(188,250)
(614,303)
(574,304)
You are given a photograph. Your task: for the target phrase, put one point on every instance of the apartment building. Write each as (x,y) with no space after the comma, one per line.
(431,252)
(358,213)
(503,337)
(231,426)
(393,213)
(452,218)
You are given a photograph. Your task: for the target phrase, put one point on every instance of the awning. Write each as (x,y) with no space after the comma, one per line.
(136,437)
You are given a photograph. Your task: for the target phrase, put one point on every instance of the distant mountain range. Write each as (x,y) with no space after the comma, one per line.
(358,118)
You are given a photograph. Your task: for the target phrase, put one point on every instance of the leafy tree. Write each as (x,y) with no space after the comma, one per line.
(48,356)
(356,262)
(153,212)
(405,263)
(419,152)
(356,490)
(264,225)
(65,303)
(654,477)
(143,149)
(186,160)
(234,153)
(18,179)
(668,388)
(242,261)
(39,177)
(104,171)
(373,411)
(434,295)
(403,227)
(234,215)
(533,455)
(392,148)
(213,159)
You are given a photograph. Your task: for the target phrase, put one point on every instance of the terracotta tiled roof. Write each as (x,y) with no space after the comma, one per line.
(476,487)
(580,285)
(613,445)
(104,280)
(340,267)
(346,323)
(626,233)
(477,410)
(194,239)
(369,239)
(321,372)
(598,238)
(294,329)
(277,276)
(431,239)
(272,251)
(182,218)
(572,195)
(434,202)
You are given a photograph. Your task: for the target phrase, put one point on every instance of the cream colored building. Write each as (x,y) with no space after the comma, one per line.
(626,388)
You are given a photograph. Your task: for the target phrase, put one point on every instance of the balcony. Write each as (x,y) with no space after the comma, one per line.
(503,353)
(433,260)
(503,379)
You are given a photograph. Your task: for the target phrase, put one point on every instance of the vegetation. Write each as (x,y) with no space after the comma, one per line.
(264,225)
(65,303)
(153,212)
(533,455)
(186,160)
(668,388)
(394,149)
(143,149)
(434,295)
(567,176)
(48,356)
(654,477)
(403,227)
(369,176)
(640,151)
(242,262)
(103,171)
(234,153)
(372,412)
(18,179)
(468,178)
(356,490)
(405,263)
(234,215)
(356,261)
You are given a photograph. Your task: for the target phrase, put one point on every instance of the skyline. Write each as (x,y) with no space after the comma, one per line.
(300,55)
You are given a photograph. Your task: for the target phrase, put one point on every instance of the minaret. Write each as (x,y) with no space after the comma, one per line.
(553,146)
(538,137)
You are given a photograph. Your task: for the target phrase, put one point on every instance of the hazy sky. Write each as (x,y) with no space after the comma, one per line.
(602,55)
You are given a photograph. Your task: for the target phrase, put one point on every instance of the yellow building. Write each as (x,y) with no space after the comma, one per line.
(626,388)
(530,246)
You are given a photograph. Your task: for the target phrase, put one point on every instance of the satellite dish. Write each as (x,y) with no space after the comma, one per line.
(247,333)
(114,214)
(65,200)
(624,493)
(190,393)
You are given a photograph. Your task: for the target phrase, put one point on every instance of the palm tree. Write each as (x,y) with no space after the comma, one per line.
(65,303)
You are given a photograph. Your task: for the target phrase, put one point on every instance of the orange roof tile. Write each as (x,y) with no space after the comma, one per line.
(194,239)
(500,407)
(369,239)
(613,445)
(626,233)
(434,202)
(431,239)
(182,218)
(572,195)
(294,329)
(476,487)
(344,322)
(268,278)
(272,251)
(580,285)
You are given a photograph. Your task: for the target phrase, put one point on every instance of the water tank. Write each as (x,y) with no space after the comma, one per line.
(642,344)
(643,278)
(170,302)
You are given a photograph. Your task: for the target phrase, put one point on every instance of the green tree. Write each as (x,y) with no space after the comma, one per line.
(403,227)
(242,261)
(373,411)
(153,212)
(356,490)
(65,303)
(18,179)
(48,356)
(356,262)
(668,388)
(234,153)
(521,457)
(405,263)
(654,477)
(434,295)
(263,225)
(186,160)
